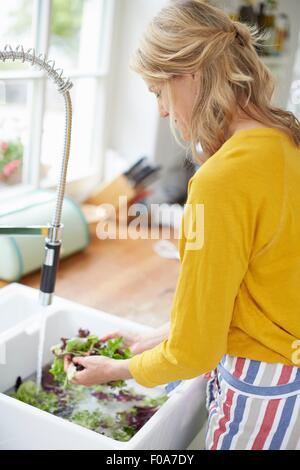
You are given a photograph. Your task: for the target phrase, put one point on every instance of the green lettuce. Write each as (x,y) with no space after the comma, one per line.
(28,393)
(57,370)
(89,345)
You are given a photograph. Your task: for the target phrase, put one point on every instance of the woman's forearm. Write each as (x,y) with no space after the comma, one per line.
(143,342)
(101,369)
(121,368)
(156,336)
(163,331)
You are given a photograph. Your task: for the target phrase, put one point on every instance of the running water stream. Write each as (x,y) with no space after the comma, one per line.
(42,334)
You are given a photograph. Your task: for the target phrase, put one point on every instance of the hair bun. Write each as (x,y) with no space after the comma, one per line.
(243,34)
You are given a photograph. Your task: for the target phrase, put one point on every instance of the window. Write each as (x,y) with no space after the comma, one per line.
(76,34)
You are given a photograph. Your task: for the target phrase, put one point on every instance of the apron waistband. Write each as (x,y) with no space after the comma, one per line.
(261,391)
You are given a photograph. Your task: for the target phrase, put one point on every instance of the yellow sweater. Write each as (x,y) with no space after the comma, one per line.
(239,293)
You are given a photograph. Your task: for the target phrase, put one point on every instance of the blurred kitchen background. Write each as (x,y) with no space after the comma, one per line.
(115,118)
(115,124)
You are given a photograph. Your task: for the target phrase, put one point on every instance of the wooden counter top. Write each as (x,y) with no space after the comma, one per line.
(123,277)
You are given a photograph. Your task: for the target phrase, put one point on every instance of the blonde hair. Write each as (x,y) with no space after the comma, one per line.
(189,36)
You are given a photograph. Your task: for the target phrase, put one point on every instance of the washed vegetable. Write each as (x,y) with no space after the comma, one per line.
(116,409)
(57,369)
(71,372)
(87,419)
(132,420)
(124,434)
(28,393)
(84,344)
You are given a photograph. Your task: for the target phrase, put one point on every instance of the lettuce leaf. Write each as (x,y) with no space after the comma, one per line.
(28,393)
(81,344)
(85,345)
(57,369)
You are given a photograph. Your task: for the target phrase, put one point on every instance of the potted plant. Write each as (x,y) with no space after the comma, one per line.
(11,154)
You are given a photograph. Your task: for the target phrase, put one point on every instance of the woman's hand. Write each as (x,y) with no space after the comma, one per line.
(138,343)
(101,369)
(133,341)
(98,370)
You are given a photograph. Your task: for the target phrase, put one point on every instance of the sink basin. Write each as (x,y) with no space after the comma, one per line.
(174,426)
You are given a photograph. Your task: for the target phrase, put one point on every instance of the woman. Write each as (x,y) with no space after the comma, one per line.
(237,302)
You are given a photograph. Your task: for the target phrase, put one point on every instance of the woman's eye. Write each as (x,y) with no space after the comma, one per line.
(158,94)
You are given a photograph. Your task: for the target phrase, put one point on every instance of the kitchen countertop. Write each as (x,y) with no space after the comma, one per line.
(122,277)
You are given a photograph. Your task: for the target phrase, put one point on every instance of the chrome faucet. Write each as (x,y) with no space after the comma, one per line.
(53,231)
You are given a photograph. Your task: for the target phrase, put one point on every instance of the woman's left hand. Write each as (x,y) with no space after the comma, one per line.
(98,370)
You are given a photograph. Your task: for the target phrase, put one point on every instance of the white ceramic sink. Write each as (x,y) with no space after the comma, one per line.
(174,426)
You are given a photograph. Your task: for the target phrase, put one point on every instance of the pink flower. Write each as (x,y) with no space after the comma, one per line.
(3,146)
(10,168)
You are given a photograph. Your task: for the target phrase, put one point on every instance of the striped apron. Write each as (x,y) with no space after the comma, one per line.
(253,405)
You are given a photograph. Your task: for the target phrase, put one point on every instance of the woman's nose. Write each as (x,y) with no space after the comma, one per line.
(163,112)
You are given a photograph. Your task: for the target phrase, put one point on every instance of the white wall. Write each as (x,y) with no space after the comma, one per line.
(292,9)
(133,113)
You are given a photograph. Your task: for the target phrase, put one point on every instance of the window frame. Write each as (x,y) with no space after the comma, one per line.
(37,81)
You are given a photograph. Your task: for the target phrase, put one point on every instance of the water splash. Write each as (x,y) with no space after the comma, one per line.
(41,350)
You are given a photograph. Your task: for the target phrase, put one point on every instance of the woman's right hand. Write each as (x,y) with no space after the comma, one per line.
(137,342)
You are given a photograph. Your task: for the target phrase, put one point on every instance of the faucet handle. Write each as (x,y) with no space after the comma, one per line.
(49,271)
